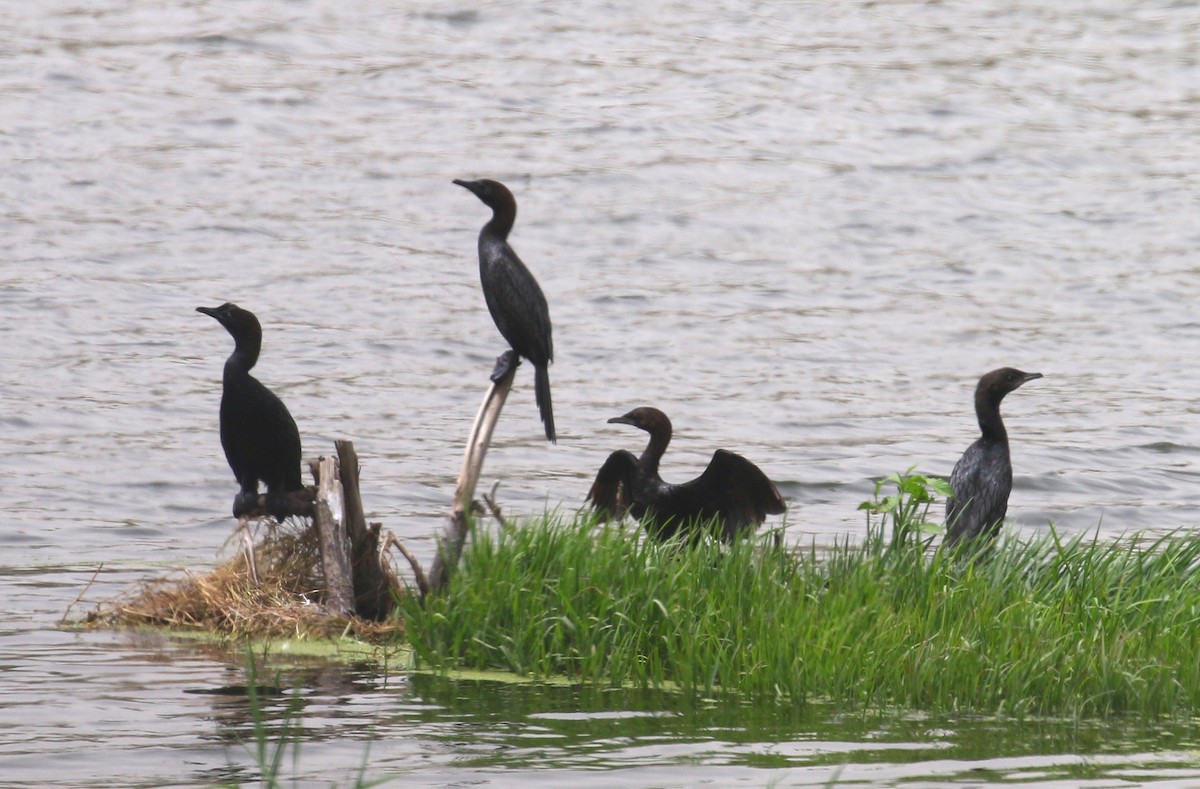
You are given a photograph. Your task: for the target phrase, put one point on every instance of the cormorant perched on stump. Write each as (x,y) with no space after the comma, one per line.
(982,478)
(731,489)
(258,434)
(513,297)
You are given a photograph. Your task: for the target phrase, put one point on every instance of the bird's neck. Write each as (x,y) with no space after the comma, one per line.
(501,223)
(654,452)
(987,409)
(244,357)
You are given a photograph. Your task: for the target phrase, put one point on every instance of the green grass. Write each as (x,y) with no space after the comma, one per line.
(1075,628)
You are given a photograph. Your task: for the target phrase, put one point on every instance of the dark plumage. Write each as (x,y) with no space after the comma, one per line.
(513,297)
(982,478)
(731,489)
(258,434)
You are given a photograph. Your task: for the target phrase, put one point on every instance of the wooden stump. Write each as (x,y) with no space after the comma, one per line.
(373,584)
(329,519)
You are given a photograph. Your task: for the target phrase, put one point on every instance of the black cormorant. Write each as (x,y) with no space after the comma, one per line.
(982,478)
(731,489)
(258,434)
(513,297)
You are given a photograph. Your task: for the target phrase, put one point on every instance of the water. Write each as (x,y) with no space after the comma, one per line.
(803,230)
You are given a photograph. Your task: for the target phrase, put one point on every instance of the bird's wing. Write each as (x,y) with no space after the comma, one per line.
(518,306)
(275,440)
(287,437)
(611,494)
(732,488)
(980,499)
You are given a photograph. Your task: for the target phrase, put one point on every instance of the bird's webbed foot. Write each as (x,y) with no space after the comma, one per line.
(506,364)
(278,505)
(244,502)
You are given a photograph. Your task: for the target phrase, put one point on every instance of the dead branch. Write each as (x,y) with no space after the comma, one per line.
(454,535)
(294,503)
(418,573)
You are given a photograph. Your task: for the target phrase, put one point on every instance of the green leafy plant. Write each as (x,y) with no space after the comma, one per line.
(907,509)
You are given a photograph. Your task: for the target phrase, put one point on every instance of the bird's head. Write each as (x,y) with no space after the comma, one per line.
(237,321)
(1000,382)
(493,193)
(645,418)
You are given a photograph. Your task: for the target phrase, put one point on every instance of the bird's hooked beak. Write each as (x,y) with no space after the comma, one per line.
(471,186)
(1029,377)
(209,311)
(623,420)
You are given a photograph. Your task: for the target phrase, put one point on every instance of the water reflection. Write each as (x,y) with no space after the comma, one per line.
(166,703)
(480,726)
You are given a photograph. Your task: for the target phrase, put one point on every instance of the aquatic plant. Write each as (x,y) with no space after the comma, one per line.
(269,749)
(276,734)
(1076,627)
(907,509)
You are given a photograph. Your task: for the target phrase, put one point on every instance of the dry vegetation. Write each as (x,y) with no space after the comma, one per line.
(286,603)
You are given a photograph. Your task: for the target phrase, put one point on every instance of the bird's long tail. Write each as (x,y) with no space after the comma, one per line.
(541,380)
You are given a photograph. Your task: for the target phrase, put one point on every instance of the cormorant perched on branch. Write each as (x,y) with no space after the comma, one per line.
(731,489)
(258,434)
(982,478)
(513,297)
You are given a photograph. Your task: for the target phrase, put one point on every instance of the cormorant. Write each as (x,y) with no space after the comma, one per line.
(513,297)
(731,489)
(258,434)
(982,478)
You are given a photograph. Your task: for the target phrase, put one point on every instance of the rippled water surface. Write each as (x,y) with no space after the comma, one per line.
(801,229)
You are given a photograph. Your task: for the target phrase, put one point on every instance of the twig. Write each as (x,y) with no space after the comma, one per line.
(82,593)
(418,573)
(492,507)
(243,530)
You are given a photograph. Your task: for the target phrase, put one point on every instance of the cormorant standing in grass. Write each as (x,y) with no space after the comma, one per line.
(731,489)
(258,434)
(513,297)
(982,478)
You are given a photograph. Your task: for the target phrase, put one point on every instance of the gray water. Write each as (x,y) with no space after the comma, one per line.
(801,229)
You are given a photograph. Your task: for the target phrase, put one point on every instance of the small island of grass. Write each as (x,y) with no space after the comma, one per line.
(1081,627)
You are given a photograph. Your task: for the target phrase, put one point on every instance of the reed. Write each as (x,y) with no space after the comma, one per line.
(275,735)
(1081,627)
